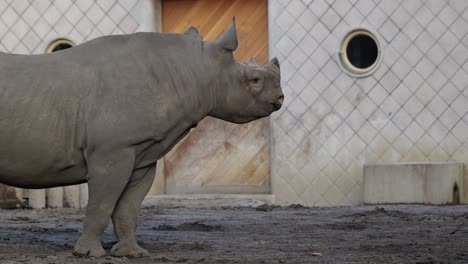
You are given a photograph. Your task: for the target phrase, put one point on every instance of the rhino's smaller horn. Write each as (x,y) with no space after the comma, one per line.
(228,40)
(252,60)
(275,62)
(192,31)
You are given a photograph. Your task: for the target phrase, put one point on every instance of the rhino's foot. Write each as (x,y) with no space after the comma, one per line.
(129,250)
(88,248)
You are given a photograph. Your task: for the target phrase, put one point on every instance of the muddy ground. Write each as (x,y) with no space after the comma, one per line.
(366,234)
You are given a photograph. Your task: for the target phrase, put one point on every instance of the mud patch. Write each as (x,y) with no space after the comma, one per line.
(268,207)
(380,212)
(24,219)
(347,226)
(195,246)
(195,226)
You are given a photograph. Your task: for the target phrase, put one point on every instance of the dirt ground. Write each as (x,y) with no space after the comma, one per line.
(365,234)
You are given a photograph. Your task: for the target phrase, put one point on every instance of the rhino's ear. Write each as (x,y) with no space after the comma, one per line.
(275,62)
(228,40)
(192,31)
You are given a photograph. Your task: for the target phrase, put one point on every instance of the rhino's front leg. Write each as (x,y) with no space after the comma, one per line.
(125,214)
(108,173)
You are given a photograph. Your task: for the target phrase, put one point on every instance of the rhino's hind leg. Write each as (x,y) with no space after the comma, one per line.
(125,214)
(108,176)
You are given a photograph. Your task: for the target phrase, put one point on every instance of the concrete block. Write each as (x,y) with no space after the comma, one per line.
(428,183)
(84,195)
(10,197)
(37,198)
(71,196)
(55,197)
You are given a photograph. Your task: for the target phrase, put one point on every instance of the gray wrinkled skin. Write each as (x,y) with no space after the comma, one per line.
(105,111)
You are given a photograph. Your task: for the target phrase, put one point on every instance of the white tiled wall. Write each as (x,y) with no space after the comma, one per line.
(413,108)
(28,26)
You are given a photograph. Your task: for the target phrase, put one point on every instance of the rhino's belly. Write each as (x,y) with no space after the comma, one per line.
(67,176)
(39,160)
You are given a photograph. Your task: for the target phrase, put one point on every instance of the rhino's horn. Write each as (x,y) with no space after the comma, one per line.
(192,31)
(275,62)
(228,40)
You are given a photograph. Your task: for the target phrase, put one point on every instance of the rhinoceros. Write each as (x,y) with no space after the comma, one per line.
(105,111)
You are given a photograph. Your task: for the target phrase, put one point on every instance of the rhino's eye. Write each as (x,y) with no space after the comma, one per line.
(255,80)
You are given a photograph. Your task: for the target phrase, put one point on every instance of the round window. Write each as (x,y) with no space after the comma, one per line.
(60,44)
(360,53)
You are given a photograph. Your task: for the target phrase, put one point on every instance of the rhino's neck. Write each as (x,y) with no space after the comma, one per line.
(226,74)
(185,76)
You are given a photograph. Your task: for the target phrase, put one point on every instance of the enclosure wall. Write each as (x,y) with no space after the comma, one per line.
(413,108)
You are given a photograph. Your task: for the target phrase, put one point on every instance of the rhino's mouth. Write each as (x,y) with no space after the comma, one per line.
(278,103)
(276,106)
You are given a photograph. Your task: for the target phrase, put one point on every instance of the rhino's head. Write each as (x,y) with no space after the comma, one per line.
(244,91)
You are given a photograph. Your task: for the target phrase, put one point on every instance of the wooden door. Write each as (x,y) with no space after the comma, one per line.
(217,156)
